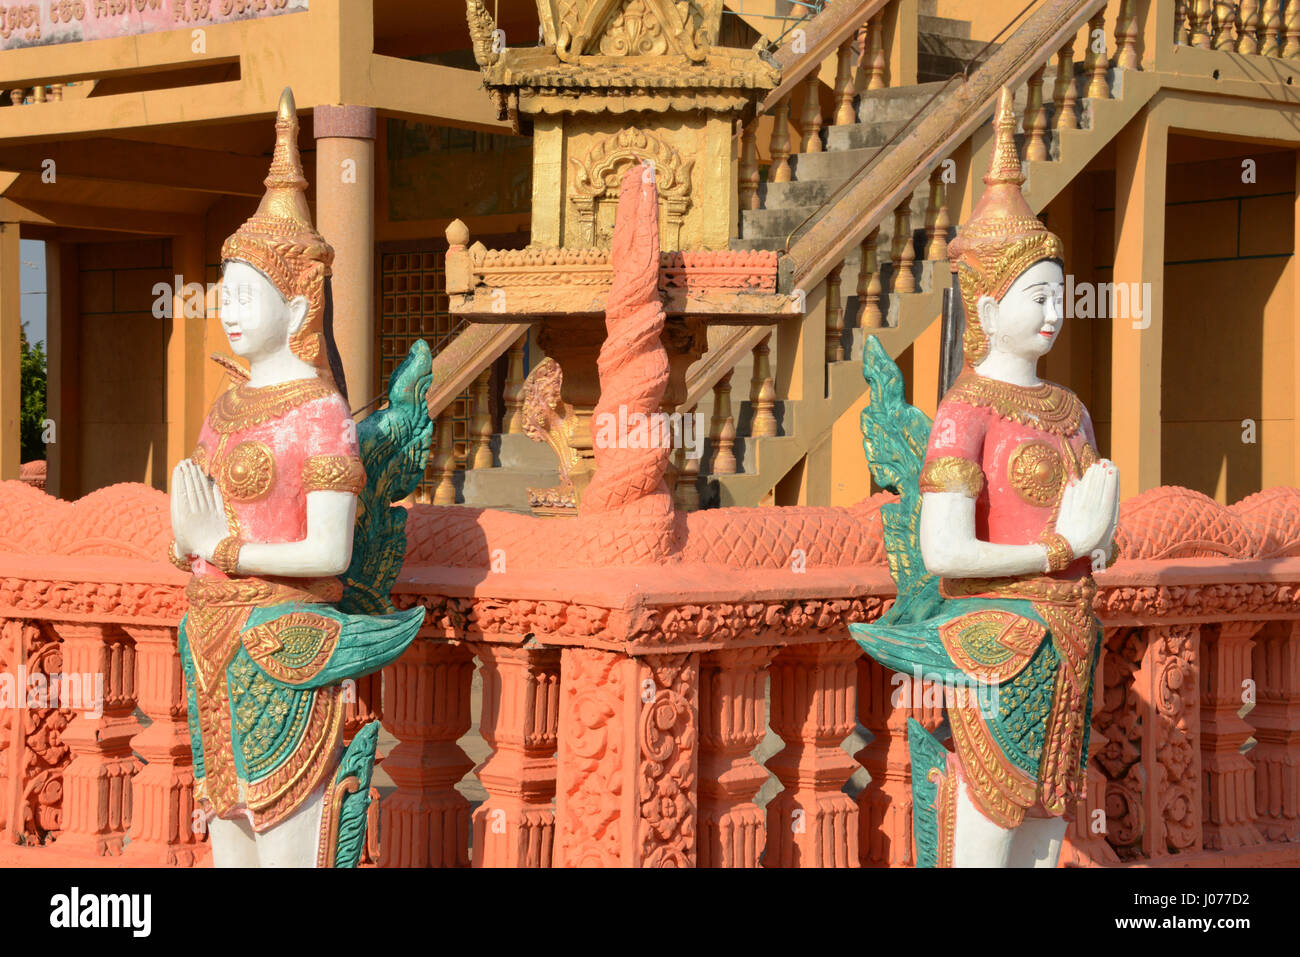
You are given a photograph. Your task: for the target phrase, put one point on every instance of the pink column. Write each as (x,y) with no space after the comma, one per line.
(515,826)
(162,793)
(345,216)
(628,751)
(885,701)
(1168,684)
(733,720)
(426,706)
(1228,774)
(97,783)
(1276,719)
(813,823)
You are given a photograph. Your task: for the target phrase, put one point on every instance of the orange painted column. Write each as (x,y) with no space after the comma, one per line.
(628,752)
(515,826)
(345,216)
(1141,155)
(812,822)
(162,793)
(426,706)
(186,356)
(10,353)
(733,720)
(97,781)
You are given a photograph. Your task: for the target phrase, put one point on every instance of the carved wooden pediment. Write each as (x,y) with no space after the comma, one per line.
(630,27)
(597,175)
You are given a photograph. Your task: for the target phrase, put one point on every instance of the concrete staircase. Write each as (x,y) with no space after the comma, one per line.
(518,464)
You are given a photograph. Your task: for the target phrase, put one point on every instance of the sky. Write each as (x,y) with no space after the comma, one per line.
(31,253)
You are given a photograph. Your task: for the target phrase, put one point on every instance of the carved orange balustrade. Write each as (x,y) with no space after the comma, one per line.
(622,701)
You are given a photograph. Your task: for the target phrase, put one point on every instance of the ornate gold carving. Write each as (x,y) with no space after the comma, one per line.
(596,179)
(248,472)
(243,406)
(1036,472)
(275,797)
(226,555)
(996,786)
(1060,555)
(945,801)
(200,458)
(333,473)
(176,558)
(952,474)
(1045,406)
(992,645)
(629,27)
(294,647)
(546,419)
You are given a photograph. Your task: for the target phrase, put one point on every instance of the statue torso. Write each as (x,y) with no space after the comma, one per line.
(266,448)
(1018,446)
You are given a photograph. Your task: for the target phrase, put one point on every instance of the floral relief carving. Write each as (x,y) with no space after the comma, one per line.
(590,781)
(597,175)
(669,737)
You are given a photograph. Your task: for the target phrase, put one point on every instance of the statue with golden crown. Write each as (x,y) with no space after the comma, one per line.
(283,513)
(1004,510)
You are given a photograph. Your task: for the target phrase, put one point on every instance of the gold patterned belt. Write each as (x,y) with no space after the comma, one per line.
(208,592)
(1058,591)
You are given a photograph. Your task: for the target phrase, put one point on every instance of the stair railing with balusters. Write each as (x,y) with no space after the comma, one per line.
(851,219)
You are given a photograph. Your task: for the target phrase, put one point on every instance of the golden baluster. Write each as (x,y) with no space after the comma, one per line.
(16,97)
(721,412)
(1126,35)
(781,141)
(444,463)
(844,114)
(748,175)
(481,423)
(1096,62)
(1034,123)
(902,251)
(38,94)
(724,452)
(762,392)
(1064,96)
(1225,18)
(869,286)
(56,92)
(878,63)
(1181,12)
(686,489)
(1248,27)
(514,390)
(834,316)
(810,127)
(1272,26)
(937,220)
(1201,12)
(1291,50)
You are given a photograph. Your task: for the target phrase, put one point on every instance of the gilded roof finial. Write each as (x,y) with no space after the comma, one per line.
(1005,165)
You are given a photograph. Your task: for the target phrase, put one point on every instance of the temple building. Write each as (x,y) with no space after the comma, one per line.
(133,139)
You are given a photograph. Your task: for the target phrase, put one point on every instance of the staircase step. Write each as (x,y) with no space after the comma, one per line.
(960,48)
(521,452)
(501,487)
(857,136)
(804,194)
(833,165)
(895,103)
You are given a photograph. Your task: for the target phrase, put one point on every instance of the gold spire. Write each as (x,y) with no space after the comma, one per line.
(1003,237)
(280,240)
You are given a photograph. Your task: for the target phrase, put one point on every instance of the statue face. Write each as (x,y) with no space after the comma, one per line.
(1026,322)
(255,316)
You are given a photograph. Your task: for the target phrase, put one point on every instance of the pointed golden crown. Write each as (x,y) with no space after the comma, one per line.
(280,240)
(1003,237)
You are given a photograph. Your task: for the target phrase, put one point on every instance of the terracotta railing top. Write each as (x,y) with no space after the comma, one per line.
(132,522)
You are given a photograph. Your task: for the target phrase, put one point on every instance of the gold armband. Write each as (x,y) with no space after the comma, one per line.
(226,555)
(333,473)
(952,474)
(184,562)
(1059,552)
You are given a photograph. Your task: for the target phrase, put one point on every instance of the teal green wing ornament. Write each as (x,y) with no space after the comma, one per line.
(894,435)
(395,443)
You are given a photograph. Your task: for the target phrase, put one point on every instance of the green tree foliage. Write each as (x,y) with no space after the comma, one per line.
(33,399)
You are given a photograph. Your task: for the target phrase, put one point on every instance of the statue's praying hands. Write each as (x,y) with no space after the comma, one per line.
(198,513)
(1089,510)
